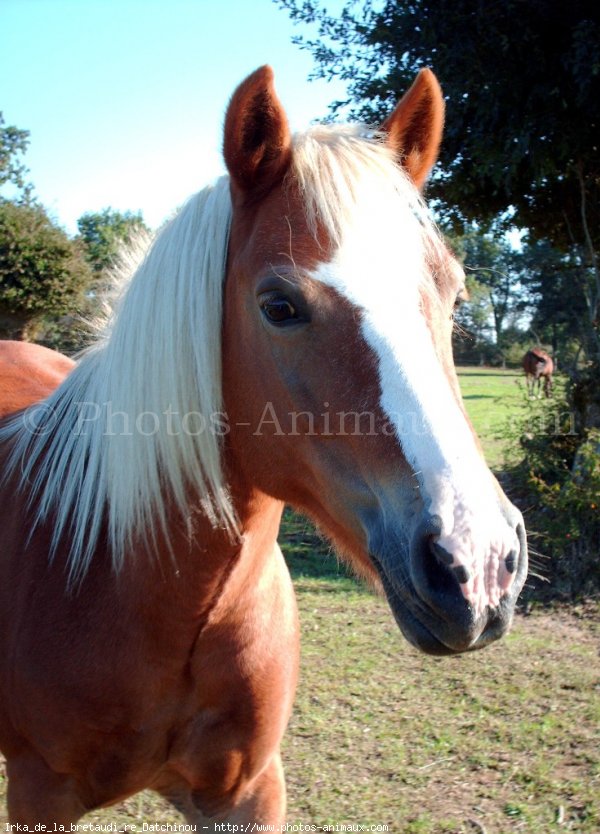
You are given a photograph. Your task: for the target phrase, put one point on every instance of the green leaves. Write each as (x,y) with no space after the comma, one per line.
(44,274)
(41,269)
(13,143)
(105,232)
(522,83)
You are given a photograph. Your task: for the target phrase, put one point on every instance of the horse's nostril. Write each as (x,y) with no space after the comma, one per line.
(461,573)
(437,579)
(511,561)
(446,559)
(466,586)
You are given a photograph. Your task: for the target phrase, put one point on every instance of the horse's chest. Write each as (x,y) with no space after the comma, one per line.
(244,680)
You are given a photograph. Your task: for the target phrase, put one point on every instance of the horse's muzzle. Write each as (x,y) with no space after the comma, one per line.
(425,594)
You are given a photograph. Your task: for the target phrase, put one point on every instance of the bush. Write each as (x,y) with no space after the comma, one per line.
(42,271)
(557,481)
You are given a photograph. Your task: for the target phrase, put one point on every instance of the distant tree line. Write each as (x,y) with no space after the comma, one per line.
(49,280)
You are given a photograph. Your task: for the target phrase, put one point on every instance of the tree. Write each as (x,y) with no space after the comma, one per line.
(555,283)
(103,234)
(522,83)
(492,280)
(42,271)
(13,143)
(473,316)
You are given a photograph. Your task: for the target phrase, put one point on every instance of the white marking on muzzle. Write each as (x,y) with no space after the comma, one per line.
(438,444)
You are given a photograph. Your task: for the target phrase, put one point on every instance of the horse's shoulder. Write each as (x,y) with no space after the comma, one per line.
(29,373)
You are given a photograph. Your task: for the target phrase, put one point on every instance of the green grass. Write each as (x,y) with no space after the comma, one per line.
(382,734)
(492,397)
(500,741)
(505,740)
(496,401)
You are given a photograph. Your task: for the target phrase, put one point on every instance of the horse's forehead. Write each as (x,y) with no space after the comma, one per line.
(381,248)
(274,230)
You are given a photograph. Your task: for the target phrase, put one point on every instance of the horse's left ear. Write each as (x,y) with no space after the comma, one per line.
(415,127)
(257,141)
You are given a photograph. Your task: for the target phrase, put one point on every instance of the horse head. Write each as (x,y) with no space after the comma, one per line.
(339,382)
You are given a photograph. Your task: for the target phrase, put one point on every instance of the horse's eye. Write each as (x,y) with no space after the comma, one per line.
(278,309)
(461,297)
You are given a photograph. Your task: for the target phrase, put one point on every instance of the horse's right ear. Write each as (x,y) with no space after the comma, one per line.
(257,141)
(414,129)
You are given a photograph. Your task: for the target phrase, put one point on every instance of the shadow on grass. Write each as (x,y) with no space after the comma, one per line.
(307,554)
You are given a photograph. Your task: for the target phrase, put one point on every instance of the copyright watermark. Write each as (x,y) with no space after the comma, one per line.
(89,417)
(40,419)
(185,828)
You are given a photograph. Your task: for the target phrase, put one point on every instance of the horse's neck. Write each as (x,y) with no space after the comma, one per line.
(201,568)
(217,590)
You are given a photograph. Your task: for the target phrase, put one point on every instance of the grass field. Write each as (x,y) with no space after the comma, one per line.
(492,396)
(505,740)
(496,401)
(500,741)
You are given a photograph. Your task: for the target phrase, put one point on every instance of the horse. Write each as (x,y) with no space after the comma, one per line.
(538,364)
(285,339)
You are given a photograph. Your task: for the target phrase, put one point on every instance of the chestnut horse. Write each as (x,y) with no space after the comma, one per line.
(287,338)
(538,365)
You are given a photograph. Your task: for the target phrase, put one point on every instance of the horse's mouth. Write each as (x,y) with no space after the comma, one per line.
(434,635)
(419,635)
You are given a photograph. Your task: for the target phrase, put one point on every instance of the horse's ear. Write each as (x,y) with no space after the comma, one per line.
(415,127)
(257,142)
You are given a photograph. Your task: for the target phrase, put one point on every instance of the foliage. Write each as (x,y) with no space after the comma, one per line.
(104,233)
(557,476)
(556,283)
(492,282)
(516,343)
(13,143)
(42,271)
(473,314)
(69,334)
(518,297)
(522,84)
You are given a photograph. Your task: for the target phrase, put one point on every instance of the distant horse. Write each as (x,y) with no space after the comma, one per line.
(538,365)
(287,338)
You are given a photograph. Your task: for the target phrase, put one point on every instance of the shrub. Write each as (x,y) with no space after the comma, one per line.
(42,271)
(557,481)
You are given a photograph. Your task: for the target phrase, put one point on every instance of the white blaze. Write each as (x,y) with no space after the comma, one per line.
(380,267)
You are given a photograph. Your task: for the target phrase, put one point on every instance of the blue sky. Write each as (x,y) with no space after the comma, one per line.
(125,99)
